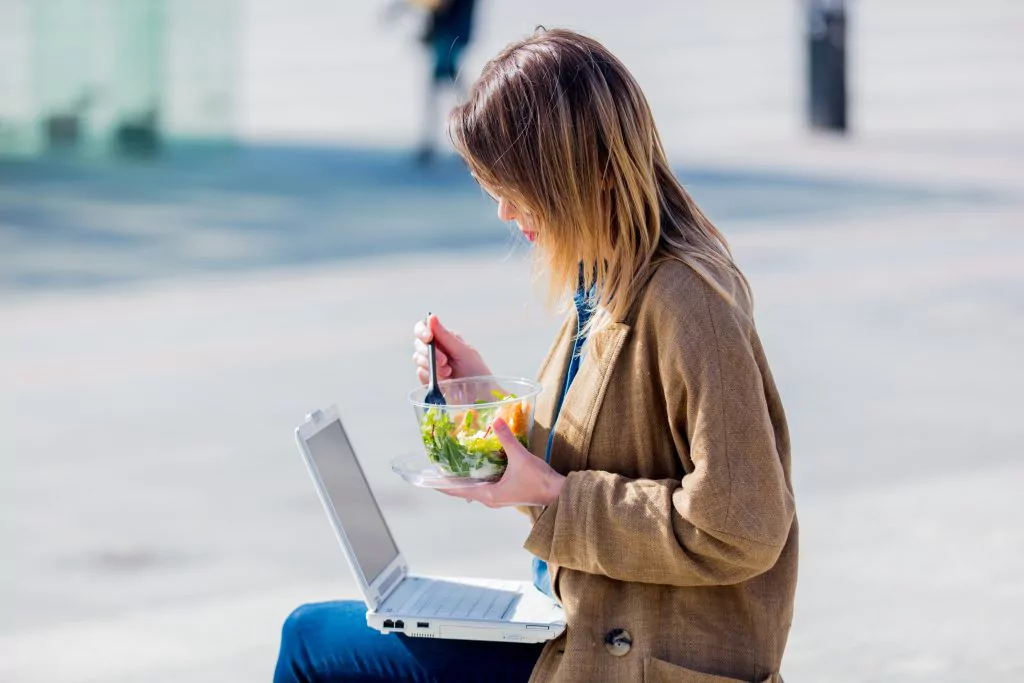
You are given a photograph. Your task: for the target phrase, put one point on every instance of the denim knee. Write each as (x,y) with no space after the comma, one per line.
(300,621)
(318,642)
(293,659)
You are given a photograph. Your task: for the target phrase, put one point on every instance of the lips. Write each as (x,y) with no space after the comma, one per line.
(528,234)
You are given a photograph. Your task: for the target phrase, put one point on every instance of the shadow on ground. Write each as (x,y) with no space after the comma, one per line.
(69,225)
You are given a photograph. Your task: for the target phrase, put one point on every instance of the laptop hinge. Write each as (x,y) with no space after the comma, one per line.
(388,585)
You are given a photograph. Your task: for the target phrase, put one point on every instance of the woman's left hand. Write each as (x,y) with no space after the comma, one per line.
(528,480)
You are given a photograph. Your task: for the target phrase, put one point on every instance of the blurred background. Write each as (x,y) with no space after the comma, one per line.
(218,215)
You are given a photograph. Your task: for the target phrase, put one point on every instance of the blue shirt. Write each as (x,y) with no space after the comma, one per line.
(584,309)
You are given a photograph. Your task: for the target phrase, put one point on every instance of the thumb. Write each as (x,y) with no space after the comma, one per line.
(442,335)
(508,440)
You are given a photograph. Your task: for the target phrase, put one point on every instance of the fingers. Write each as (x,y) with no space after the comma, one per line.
(420,356)
(422,331)
(440,356)
(446,345)
(444,371)
(423,372)
(431,328)
(441,333)
(479,494)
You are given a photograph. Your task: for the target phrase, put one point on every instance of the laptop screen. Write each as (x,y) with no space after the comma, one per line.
(353,503)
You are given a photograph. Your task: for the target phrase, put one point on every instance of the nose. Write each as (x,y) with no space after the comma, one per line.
(506,212)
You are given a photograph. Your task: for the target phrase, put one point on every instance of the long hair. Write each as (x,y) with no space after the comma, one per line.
(557,125)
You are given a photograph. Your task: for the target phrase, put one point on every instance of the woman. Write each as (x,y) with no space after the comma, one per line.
(663,516)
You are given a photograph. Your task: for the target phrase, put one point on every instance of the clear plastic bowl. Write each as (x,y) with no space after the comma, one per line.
(460,445)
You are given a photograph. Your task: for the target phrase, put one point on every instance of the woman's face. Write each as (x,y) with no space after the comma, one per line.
(508,211)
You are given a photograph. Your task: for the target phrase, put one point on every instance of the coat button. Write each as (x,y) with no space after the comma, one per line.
(618,641)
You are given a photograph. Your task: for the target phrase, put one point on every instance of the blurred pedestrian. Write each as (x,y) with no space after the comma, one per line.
(448,30)
(659,488)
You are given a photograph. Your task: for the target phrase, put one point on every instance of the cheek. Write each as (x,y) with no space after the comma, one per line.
(526,222)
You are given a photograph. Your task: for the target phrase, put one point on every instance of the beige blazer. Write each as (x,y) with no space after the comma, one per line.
(673,546)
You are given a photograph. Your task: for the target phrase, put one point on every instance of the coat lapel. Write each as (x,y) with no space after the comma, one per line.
(575,422)
(574,426)
(552,378)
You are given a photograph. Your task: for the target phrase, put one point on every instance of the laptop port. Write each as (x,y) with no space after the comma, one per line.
(388,623)
(422,624)
(399,624)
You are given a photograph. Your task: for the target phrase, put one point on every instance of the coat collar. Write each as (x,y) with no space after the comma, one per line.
(574,425)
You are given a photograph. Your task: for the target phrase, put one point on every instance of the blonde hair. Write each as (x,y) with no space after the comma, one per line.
(557,125)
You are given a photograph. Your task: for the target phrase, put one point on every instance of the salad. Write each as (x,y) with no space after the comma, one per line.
(462,443)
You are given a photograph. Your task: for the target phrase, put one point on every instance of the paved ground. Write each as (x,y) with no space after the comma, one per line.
(158,507)
(164,329)
(261,206)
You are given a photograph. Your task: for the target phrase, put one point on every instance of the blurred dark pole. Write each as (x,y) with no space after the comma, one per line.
(826,64)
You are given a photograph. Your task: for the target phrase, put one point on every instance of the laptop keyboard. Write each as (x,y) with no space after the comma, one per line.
(445,599)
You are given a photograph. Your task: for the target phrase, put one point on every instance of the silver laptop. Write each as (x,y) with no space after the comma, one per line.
(397,601)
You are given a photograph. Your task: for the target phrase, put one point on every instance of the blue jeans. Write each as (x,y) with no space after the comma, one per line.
(330,642)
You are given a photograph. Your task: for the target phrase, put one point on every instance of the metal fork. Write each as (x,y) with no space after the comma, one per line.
(434,395)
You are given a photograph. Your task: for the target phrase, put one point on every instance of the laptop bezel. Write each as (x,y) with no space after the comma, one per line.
(393,574)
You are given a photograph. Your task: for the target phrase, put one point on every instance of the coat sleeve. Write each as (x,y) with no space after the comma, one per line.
(728,519)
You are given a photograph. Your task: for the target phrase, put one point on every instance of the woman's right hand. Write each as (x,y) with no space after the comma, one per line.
(454,357)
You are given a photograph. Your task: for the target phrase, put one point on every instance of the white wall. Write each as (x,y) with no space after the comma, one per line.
(716,71)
